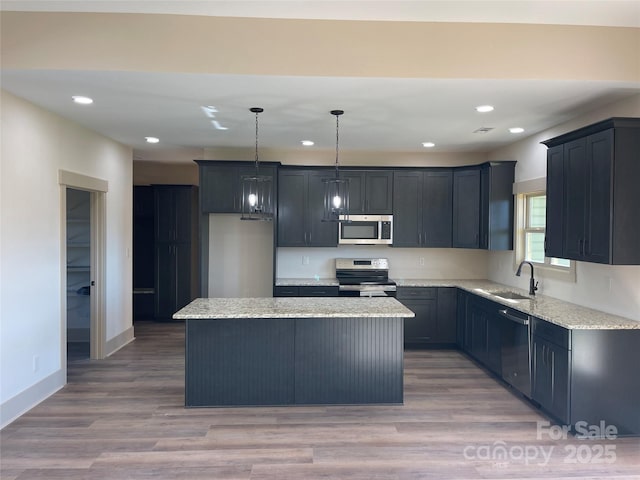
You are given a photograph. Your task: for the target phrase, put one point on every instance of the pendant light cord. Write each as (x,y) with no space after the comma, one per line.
(256,110)
(337,114)
(337,141)
(257,143)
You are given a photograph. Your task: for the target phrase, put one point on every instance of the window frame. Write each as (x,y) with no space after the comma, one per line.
(546,269)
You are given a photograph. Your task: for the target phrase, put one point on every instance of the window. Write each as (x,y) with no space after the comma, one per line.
(532,209)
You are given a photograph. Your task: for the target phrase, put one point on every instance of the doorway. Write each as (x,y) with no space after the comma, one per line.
(83,219)
(78,238)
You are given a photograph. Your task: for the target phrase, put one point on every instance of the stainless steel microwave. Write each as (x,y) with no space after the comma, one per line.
(366,230)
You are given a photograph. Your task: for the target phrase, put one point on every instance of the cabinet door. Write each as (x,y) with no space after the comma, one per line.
(291,208)
(437,209)
(379,193)
(165,216)
(494,341)
(575,176)
(218,189)
(165,294)
(478,331)
(466,208)
(182,262)
(446,316)
(598,229)
(407,217)
(183,206)
(555,203)
(356,191)
(421,329)
(319,233)
(550,385)
(463,331)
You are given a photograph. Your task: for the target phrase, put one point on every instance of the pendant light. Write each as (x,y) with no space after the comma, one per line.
(257,189)
(336,190)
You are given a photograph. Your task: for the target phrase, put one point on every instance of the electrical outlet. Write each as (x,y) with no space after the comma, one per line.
(305,260)
(35,363)
(422,261)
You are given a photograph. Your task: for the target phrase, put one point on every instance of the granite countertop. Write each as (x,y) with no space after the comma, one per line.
(559,312)
(293,307)
(307,282)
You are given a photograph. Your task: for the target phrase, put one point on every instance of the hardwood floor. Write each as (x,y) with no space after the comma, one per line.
(123,418)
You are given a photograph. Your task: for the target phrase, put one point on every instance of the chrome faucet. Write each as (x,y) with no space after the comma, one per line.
(533,285)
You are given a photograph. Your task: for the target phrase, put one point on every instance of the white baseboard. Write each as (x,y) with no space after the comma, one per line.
(32,396)
(116,343)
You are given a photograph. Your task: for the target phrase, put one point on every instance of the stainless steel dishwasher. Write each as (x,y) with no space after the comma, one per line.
(516,350)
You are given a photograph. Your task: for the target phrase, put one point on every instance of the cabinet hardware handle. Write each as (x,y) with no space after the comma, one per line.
(513,318)
(581,247)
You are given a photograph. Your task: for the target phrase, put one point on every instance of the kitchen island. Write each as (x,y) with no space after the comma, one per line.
(293,351)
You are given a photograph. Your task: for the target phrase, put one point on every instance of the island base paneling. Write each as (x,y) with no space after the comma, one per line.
(284,361)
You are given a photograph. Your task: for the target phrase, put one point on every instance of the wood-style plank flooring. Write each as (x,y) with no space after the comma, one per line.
(123,418)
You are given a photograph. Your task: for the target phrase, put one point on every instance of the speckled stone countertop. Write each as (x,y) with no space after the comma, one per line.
(293,307)
(307,282)
(565,314)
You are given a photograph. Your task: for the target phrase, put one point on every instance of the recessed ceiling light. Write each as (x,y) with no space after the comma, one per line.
(82,100)
(484,108)
(152,139)
(428,144)
(307,143)
(516,129)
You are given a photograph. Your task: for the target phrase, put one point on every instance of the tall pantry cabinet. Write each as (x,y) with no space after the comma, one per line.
(176,252)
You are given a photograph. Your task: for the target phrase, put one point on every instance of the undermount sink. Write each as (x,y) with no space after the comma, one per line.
(510,295)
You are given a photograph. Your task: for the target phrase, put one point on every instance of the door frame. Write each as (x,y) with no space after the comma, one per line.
(98,189)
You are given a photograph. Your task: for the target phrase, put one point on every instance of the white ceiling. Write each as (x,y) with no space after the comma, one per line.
(619,13)
(383,114)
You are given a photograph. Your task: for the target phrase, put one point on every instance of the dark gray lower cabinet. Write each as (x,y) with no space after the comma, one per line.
(585,377)
(435,320)
(485,333)
(550,382)
(306,291)
(580,378)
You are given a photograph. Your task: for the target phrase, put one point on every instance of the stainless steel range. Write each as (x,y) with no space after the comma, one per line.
(364,277)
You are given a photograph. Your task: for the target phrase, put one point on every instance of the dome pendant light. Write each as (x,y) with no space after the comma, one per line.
(257,203)
(336,190)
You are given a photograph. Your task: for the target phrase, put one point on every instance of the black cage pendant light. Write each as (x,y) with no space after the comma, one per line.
(257,191)
(336,190)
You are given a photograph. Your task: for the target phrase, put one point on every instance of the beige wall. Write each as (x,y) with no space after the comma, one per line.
(182,43)
(36,144)
(154,173)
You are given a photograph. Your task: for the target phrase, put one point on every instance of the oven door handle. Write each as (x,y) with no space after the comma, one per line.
(513,318)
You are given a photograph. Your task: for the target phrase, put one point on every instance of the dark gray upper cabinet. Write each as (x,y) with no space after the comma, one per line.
(422,208)
(300,209)
(555,196)
(593,195)
(221,184)
(370,191)
(496,211)
(466,208)
(483,206)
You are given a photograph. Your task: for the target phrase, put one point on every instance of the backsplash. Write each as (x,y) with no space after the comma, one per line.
(435,263)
